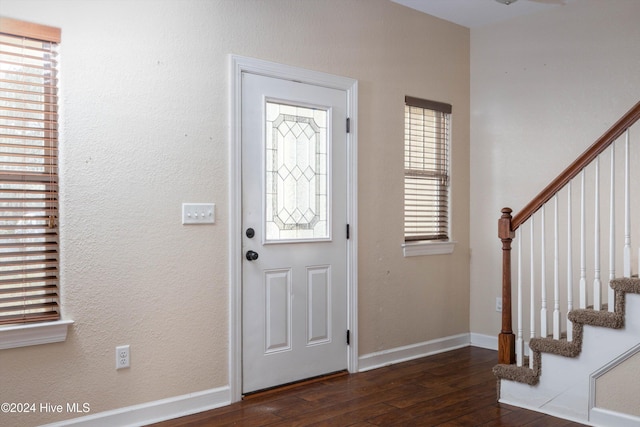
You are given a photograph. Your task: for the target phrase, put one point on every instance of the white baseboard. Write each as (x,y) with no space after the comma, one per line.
(490,342)
(180,406)
(153,412)
(604,417)
(552,413)
(410,352)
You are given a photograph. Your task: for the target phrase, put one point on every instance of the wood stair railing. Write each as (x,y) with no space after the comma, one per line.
(508,224)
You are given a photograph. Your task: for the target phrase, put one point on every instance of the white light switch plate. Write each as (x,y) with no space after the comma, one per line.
(198,213)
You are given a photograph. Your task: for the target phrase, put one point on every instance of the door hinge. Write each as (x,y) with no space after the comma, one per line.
(348,125)
(348,231)
(348,337)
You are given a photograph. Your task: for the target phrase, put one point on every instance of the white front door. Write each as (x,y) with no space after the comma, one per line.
(294,224)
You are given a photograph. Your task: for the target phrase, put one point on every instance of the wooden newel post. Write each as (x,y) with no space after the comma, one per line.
(506,339)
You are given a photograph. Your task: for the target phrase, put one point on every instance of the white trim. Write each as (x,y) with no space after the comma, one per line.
(604,417)
(34,334)
(154,412)
(546,412)
(413,351)
(490,342)
(601,415)
(427,248)
(238,65)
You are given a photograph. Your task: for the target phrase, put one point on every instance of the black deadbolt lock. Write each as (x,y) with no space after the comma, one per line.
(250,233)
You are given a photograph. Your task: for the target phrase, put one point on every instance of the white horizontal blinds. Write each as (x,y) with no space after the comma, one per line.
(28,173)
(426,170)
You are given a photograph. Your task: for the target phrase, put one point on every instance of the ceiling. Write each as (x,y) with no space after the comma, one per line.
(478,13)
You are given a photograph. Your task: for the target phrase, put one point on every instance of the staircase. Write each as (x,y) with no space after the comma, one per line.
(577,227)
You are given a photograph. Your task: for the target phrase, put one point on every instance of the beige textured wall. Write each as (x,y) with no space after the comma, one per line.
(145,128)
(619,389)
(543,88)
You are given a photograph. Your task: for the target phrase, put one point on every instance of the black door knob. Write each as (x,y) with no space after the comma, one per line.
(251,255)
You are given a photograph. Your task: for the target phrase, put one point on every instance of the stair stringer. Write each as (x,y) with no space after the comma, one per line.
(559,382)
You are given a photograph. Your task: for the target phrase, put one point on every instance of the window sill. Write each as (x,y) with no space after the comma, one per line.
(34,334)
(427,248)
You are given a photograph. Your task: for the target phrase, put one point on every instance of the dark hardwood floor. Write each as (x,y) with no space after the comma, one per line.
(455,388)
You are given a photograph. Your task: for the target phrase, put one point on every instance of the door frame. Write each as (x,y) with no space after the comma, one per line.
(239,65)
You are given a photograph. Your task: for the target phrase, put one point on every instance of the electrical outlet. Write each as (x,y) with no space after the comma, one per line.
(122,357)
(499,304)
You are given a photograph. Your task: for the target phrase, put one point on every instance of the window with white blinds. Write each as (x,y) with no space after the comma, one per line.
(28,172)
(426,170)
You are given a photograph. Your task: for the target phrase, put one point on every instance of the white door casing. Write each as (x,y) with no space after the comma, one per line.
(281,278)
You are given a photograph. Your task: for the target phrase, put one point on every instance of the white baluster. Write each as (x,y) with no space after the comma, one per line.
(597,284)
(627,211)
(543,280)
(569,265)
(612,231)
(532,303)
(556,272)
(519,341)
(583,247)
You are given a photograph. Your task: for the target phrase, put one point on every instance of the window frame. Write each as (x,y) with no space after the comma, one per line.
(35,331)
(425,246)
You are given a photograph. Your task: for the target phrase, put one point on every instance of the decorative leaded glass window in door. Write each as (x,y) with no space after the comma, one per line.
(297,177)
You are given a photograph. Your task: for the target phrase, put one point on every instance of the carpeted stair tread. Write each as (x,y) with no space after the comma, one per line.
(627,284)
(562,347)
(602,318)
(521,374)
